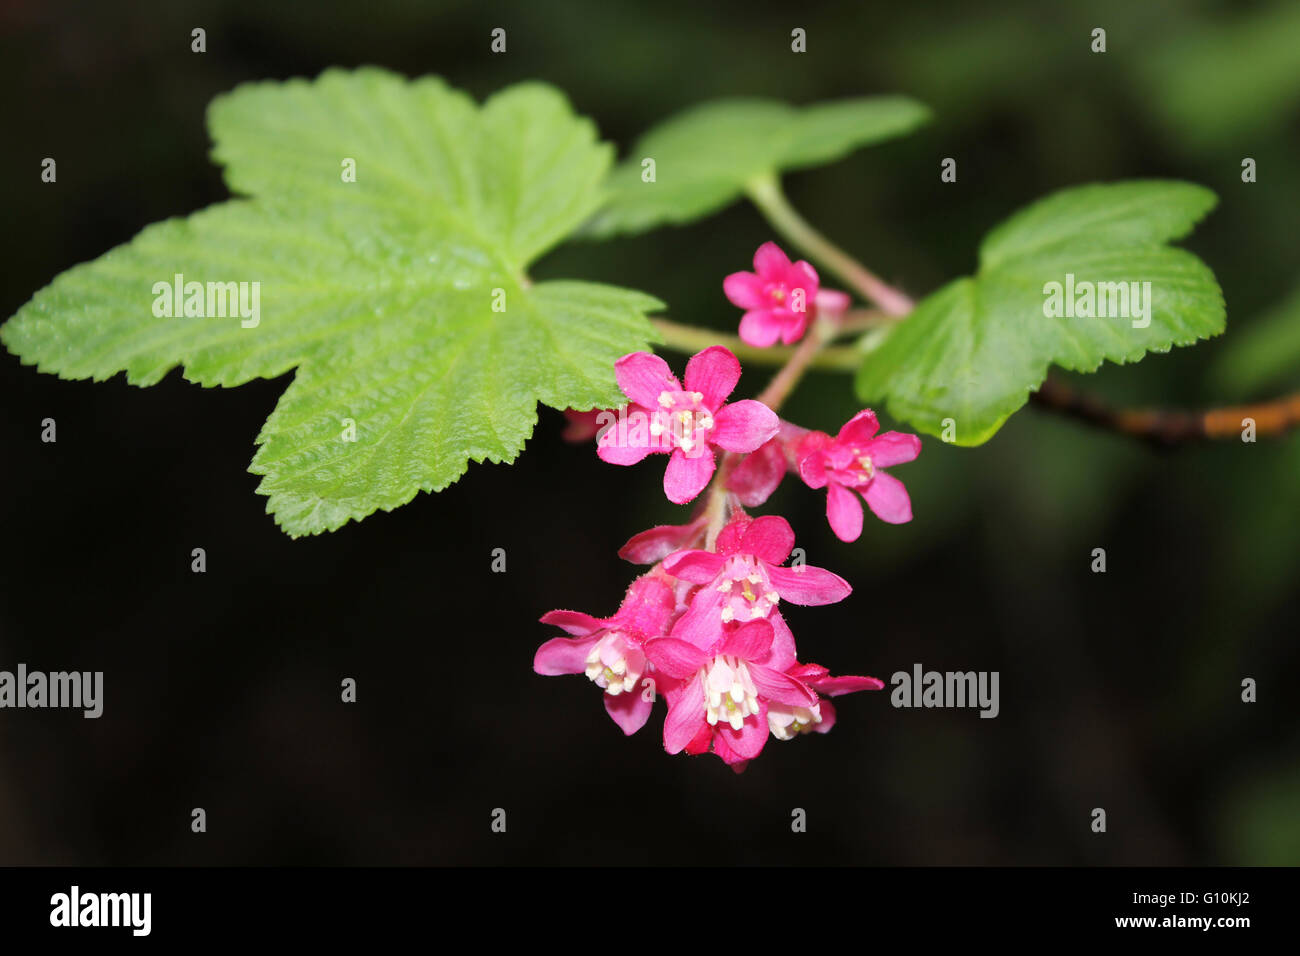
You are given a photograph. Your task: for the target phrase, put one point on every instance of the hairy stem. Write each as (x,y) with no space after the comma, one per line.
(765,192)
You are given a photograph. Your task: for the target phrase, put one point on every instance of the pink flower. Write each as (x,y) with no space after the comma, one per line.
(686,422)
(726,689)
(610,651)
(854,461)
(743,581)
(786,721)
(779,297)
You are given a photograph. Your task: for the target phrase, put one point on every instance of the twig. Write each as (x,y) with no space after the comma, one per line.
(1167,427)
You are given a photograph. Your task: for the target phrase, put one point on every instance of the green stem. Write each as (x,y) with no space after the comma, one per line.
(765,192)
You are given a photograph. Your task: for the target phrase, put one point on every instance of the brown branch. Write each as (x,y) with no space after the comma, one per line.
(1171,426)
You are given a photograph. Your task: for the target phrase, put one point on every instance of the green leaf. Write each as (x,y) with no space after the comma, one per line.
(974,350)
(1264,353)
(380,292)
(706,157)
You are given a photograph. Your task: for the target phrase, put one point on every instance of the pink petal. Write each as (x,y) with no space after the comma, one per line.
(701,625)
(675,657)
(746,743)
(698,567)
(750,642)
(744,290)
(714,374)
(838,686)
(685,717)
(700,742)
(732,533)
(892,448)
(803,274)
(644,377)
(783,654)
(808,673)
(888,499)
(744,425)
(768,538)
(812,441)
(793,329)
(760,328)
(758,475)
(575,622)
(655,544)
(828,717)
(812,467)
(729,756)
(844,512)
(647,607)
(770,262)
(808,585)
(622,444)
(563,655)
(781,688)
(630,711)
(686,475)
(859,429)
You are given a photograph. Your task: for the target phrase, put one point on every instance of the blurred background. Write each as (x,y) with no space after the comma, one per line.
(1118,690)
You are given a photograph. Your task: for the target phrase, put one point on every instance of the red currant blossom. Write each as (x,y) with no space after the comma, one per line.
(854,461)
(743,580)
(778,297)
(686,422)
(727,687)
(610,651)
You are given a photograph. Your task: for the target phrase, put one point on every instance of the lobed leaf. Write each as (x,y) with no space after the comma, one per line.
(401,298)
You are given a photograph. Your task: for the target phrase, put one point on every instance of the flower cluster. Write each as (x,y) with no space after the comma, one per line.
(702,629)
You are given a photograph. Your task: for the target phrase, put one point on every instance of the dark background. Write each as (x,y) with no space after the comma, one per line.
(1119,690)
